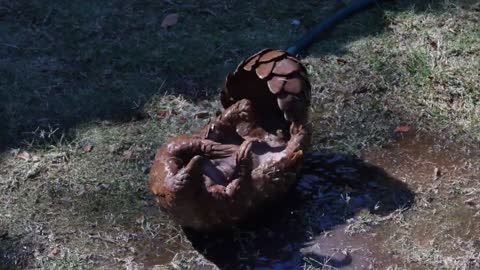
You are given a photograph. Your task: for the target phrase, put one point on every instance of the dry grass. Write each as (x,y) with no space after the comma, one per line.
(106,74)
(422,71)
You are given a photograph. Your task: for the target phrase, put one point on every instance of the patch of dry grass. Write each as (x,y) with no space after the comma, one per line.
(415,73)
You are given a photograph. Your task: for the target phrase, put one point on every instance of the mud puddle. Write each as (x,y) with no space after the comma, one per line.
(343,212)
(157,247)
(444,226)
(339,249)
(310,226)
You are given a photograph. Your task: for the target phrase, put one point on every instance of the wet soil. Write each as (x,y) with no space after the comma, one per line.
(446,216)
(344,210)
(309,226)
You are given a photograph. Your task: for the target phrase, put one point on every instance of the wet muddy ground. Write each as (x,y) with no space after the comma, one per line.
(391,208)
(314,226)
(414,204)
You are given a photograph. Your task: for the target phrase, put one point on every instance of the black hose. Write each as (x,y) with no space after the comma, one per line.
(310,37)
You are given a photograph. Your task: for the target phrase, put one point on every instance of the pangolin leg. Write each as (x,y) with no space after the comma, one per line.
(227,123)
(188,178)
(242,175)
(241,111)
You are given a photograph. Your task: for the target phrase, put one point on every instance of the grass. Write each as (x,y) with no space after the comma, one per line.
(106,74)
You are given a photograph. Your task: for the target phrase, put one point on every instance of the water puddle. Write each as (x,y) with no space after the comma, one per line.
(418,160)
(447,177)
(161,244)
(338,249)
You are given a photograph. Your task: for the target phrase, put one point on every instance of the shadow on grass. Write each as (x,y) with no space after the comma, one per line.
(333,189)
(67,63)
(15,253)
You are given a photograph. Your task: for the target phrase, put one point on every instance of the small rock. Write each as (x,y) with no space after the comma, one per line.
(24,155)
(88,147)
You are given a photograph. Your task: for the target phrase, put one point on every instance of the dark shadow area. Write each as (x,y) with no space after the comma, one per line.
(333,190)
(64,63)
(369,22)
(15,252)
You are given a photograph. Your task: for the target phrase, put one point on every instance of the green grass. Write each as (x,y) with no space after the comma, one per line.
(417,67)
(106,73)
